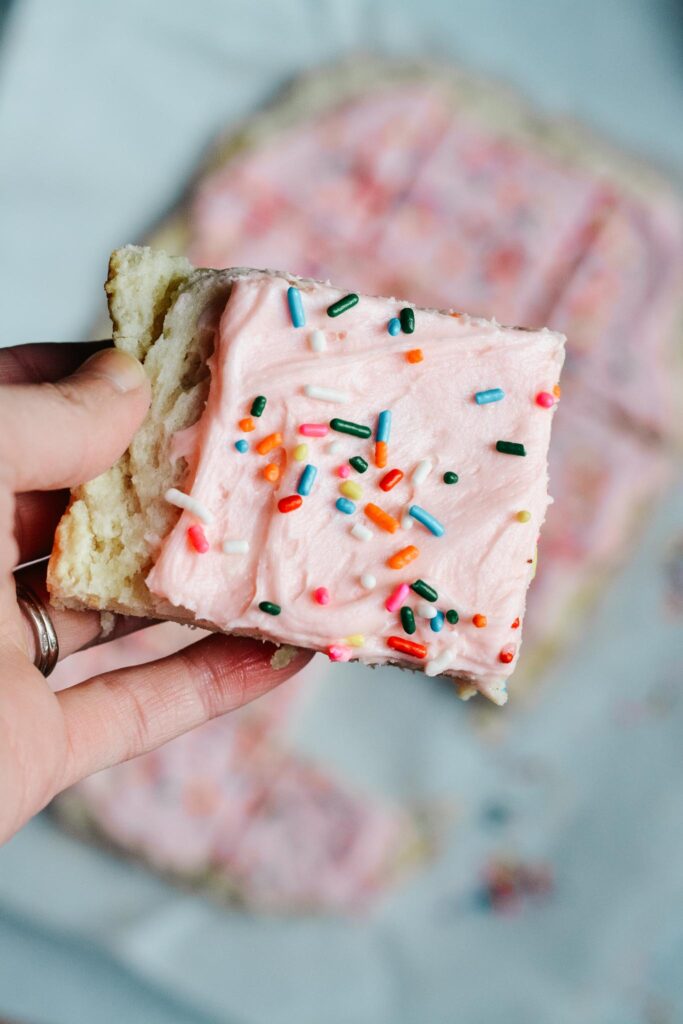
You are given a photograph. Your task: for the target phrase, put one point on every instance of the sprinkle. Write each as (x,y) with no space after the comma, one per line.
(422,471)
(424,590)
(510,448)
(407,317)
(300,453)
(368,581)
(399,643)
(296,307)
(350,489)
(181,500)
(436,625)
(390,479)
(557,391)
(321,595)
(290,503)
(408,620)
(407,522)
(257,406)
(361,532)
(197,538)
(515,624)
(479,621)
(450,477)
(380,454)
(334,447)
(247,424)
(313,429)
(394,326)
(491,395)
(267,444)
(381,518)
(235,547)
(425,610)
(358,463)
(523,516)
(242,446)
(317,340)
(347,427)
(415,355)
(343,471)
(306,480)
(383,430)
(341,305)
(345,506)
(355,640)
(339,652)
(435,666)
(327,394)
(403,557)
(545,399)
(397,597)
(507,653)
(427,520)
(452,616)
(272,472)
(270,607)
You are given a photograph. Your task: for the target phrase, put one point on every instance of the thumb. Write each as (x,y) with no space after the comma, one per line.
(59,435)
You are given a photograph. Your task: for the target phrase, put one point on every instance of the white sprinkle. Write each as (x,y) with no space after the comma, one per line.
(317,341)
(327,394)
(407,522)
(425,610)
(361,532)
(368,581)
(335,447)
(235,547)
(436,666)
(422,471)
(181,500)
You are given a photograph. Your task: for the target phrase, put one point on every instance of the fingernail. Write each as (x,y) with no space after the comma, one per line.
(283,656)
(122,370)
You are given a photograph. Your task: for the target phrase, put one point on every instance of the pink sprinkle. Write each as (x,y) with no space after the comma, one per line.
(339,652)
(394,602)
(314,429)
(545,399)
(197,539)
(322,595)
(344,471)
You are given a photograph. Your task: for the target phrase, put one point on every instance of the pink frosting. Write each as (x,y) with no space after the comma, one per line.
(482,565)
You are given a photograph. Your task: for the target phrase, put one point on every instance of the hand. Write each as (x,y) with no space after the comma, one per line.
(55,433)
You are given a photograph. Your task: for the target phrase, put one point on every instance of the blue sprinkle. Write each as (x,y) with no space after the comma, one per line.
(242,445)
(427,519)
(345,506)
(296,308)
(306,480)
(492,395)
(436,624)
(383,426)
(394,326)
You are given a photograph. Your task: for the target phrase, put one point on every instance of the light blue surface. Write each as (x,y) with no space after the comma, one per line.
(103,110)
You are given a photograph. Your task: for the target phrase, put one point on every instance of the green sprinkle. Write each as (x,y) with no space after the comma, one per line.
(358,463)
(424,590)
(347,427)
(510,448)
(450,478)
(270,607)
(407,619)
(452,616)
(258,405)
(341,305)
(407,317)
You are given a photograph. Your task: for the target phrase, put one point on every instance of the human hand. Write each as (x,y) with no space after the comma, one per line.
(55,433)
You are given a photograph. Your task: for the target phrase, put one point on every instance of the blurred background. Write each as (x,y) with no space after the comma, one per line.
(361,847)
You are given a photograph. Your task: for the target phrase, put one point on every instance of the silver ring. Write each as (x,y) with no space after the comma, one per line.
(47,644)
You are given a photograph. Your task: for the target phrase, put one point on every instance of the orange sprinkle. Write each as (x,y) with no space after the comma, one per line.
(557,391)
(381,454)
(268,443)
(403,557)
(247,424)
(272,472)
(415,355)
(381,518)
(479,621)
(455,315)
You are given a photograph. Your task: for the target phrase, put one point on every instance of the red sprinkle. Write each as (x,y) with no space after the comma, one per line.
(545,399)
(290,503)
(399,643)
(507,653)
(515,624)
(322,595)
(390,479)
(197,539)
